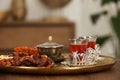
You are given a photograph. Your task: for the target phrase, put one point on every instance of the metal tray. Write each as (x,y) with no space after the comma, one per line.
(104,64)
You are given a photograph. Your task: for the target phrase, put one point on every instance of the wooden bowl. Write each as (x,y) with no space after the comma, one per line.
(53,4)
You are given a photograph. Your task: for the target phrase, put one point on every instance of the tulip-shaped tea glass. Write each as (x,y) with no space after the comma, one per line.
(78,48)
(92,41)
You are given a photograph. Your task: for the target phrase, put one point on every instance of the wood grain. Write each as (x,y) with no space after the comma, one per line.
(14,34)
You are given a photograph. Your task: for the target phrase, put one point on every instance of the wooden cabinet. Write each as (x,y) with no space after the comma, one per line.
(14,34)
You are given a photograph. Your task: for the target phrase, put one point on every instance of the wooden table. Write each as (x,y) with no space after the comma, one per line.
(112,74)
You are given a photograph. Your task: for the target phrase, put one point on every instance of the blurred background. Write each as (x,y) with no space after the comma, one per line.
(30,22)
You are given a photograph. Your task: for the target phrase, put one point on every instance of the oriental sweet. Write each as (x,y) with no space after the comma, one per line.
(25,56)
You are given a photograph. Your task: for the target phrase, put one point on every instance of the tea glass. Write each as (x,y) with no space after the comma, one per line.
(91,41)
(78,48)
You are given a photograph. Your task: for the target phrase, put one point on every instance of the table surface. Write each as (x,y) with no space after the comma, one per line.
(111,74)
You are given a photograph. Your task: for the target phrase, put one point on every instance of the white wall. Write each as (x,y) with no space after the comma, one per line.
(72,11)
(5,5)
(78,11)
(103,26)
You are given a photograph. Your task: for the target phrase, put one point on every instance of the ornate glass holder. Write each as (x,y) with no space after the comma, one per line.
(84,53)
(88,58)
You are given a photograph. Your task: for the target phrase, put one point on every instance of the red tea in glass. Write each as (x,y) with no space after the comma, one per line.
(78,47)
(73,48)
(91,44)
(91,41)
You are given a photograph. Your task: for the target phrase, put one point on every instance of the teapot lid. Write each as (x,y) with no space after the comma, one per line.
(50,44)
